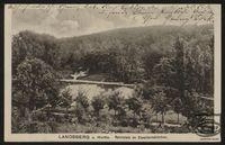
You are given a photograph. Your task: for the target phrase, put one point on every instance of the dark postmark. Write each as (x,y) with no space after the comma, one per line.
(206,125)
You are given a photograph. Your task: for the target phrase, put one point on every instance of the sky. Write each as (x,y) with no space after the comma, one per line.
(62,21)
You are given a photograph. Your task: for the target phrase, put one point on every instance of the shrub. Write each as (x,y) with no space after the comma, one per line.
(82,100)
(79,111)
(97,103)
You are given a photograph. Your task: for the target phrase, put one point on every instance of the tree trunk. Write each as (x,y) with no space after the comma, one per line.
(178,118)
(98,117)
(162,118)
(115,117)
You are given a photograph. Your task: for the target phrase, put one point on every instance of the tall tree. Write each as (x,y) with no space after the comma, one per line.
(177,107)
(37,82)
(135,104)
(82,100)
(116,102)
(98,104)
(35,87)
(160,104)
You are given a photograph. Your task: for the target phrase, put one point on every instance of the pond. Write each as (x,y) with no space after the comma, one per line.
(91,90)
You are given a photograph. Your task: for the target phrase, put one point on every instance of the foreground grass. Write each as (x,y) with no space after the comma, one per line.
(108,127)
(78,128)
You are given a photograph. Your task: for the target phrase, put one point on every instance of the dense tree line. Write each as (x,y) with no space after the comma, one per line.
(176,66)
(126,55)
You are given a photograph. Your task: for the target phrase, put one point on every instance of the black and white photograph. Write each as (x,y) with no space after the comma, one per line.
(78,70)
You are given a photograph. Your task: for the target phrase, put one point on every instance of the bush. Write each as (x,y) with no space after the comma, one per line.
(82,100)
(79,112)
(98,103)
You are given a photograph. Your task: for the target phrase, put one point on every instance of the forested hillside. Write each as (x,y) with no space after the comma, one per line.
(126,54)
(171,67)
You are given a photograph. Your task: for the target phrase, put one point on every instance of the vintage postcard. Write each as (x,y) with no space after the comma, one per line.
(112,72)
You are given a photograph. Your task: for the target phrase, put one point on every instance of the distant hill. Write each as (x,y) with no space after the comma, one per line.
(97,52)
(151,37)
(154,37)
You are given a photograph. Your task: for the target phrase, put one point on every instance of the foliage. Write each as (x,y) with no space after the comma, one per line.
(177,107)
(98,103)
(134,103)
(36,83)
(116,102)
(177,76)
(65,99)
(43,47)
(82,100)
(117,52)
(79,112)
(160,104)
